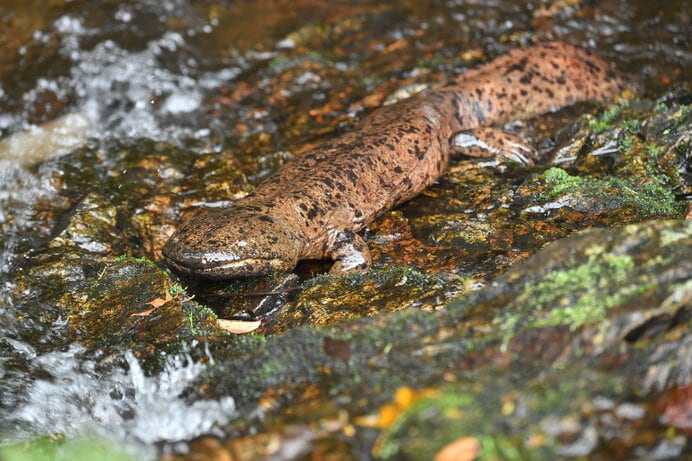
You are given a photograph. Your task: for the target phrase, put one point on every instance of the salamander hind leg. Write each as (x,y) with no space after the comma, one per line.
(350,253)
(493,143)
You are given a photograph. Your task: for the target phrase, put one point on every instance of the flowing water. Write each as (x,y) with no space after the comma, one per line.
(123,404)
(147,85)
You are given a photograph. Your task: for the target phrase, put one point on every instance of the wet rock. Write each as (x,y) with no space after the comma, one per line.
(328,300)
(588,314)
(82,276)
(131,303)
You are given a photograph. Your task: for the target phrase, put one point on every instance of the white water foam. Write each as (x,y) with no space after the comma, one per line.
(123,405)
(19,190)
(125,93)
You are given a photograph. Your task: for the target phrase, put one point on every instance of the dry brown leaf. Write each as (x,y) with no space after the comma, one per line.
(158,302)
(238,327)
(143,313)
(154,303)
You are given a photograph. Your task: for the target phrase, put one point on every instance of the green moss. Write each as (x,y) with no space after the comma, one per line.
(553,301)
(561,181)
(654,151)
(591,306)
(494,448)
(121,258)
(316,56)
(371,82)
(282,63)
(141,260)
(625,143)
(631,126)
(439,62)
(198,317)
(176,289)
(391,445)
(648,198)
(660,107)
(605,121)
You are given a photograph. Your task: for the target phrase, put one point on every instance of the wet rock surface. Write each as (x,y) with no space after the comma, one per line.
(511,312)
(542,357)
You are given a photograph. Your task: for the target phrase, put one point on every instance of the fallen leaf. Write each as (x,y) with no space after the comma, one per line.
(389,413)
(143,313)
(238,327)
(463,449)
(158,302)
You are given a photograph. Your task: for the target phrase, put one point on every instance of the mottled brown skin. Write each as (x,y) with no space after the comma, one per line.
(313,206)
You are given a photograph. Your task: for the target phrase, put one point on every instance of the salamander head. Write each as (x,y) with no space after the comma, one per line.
(236,242)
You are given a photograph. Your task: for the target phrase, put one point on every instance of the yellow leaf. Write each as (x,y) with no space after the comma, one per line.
(405,396)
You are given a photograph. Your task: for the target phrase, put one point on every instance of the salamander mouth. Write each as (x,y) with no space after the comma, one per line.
(220,270)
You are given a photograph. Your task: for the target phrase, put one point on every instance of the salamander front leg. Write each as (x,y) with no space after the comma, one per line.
(493,143)
(350,253)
